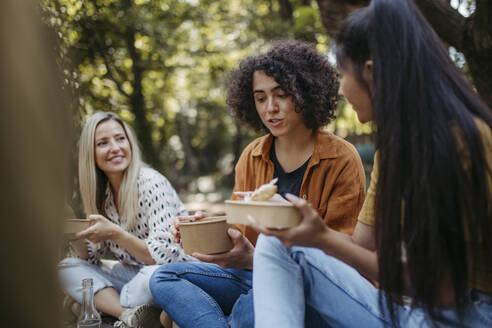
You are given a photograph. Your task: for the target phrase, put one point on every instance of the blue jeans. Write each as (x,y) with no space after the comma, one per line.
(287,280)
(197,294)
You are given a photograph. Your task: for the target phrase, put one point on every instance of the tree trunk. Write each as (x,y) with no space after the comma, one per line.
(286,10)
(184,135)
(477,49)
(470,35)
(287,13)
(143,128)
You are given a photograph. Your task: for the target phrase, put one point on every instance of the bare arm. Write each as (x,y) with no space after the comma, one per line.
(363,236)
(103,229)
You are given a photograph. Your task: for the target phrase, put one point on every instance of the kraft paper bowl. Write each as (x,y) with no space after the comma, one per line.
(72,226)
(206,236)
(273,215)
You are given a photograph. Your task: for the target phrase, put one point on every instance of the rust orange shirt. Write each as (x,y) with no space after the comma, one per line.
(334,182)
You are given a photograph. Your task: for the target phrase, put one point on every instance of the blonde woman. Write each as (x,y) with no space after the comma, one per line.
(131,208)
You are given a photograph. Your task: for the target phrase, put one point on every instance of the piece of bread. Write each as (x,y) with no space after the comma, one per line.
(264,192)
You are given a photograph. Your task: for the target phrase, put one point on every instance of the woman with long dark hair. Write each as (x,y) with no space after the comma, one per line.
(424,232)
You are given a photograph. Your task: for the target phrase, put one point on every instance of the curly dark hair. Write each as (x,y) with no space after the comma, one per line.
(301,72)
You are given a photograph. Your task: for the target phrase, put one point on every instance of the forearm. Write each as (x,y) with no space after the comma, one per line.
(135,246)
(342,235)
(344,248)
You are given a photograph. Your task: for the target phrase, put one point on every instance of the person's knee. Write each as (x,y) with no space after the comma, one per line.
(268,244)
(131,297)
(70,273)
(68,266)
(137,290)
(164,274)
(71,262)
(160,283)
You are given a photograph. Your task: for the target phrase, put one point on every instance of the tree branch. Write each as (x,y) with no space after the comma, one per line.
(111,76)
(448,23)
(286,10)
(481,26)
(483,6)
(103,53)
(333,12)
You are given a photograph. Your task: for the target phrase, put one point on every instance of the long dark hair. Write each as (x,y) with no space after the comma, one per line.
(432,195)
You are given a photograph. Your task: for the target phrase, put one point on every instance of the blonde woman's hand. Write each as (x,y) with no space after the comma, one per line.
(182,219)
(100,229)
(310,232)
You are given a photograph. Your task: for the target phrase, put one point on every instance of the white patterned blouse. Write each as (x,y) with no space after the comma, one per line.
(158,204)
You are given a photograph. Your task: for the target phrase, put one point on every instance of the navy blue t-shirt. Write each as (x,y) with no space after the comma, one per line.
(288,182)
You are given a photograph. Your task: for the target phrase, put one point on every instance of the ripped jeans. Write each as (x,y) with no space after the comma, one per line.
(130,281)
(287,281)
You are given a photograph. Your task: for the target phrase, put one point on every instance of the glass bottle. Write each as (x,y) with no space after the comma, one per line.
(89,317)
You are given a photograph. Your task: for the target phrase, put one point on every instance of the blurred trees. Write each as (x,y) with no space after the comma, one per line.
(162,66)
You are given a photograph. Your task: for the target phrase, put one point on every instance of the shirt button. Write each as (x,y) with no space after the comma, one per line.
(304,196)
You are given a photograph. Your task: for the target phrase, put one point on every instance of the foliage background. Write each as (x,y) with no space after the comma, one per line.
(162,66)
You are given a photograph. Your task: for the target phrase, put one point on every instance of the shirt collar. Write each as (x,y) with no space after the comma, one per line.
(324,146)
(263,147)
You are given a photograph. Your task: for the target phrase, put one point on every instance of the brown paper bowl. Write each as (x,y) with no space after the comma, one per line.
(270,214)
(72,226)
(206,236)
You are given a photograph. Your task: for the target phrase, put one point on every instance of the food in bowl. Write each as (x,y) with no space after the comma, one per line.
(265,205)
(264,192)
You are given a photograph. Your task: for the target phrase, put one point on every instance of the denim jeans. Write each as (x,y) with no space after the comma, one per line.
(197,294)
(130,281)
(287,280)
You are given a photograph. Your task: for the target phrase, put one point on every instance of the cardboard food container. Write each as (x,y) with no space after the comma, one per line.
(273,215)
(72,226)
(206,236)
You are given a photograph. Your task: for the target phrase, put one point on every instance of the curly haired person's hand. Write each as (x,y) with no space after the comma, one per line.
(182,219)
(239,257)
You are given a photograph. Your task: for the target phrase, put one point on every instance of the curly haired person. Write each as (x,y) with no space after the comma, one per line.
(290,92)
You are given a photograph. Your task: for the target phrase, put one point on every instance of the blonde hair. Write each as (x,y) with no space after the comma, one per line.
(93,181)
